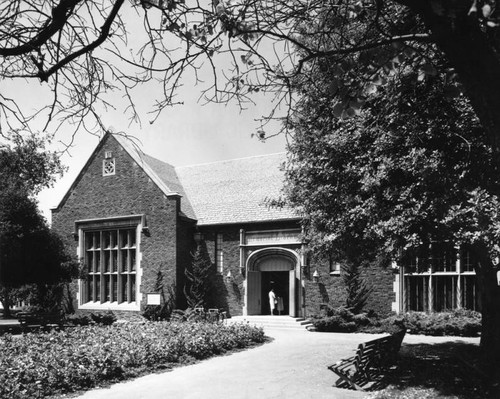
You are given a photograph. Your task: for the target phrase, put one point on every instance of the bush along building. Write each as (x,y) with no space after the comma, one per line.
(136,222)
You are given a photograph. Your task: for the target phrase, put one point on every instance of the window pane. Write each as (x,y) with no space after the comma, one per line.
(417,293)
(114,288)
(132,259)
(107,261)
(97,288)
(443,257)
(107,239)
(114,261)
(89,240)
(124,238)
(124,265)
(445,293)
(131,238)
(107,289)
(97,240)
(89,260)
(470,298)
(123,289)
(132,287)
(468,261)
(97,260)
(90,289)
(114,239)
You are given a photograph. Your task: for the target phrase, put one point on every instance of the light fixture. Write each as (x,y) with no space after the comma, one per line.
(316,276)
(198,237)
(229,276)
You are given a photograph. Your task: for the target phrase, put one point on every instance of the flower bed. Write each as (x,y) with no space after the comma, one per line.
(38,365)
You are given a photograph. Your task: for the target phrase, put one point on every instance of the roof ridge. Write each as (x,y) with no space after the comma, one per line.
(230,160)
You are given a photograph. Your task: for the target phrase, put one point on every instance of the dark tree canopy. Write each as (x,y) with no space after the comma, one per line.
(30,253)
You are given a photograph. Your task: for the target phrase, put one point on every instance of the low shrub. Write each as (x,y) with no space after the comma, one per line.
(456,323)
(157,312)
(78,320)
(43,364)
(465,323)
(106,318)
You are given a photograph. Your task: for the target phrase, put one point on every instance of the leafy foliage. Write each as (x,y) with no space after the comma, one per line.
(464,323)
(413,168)
(38,365)
(30,253)
(105,319)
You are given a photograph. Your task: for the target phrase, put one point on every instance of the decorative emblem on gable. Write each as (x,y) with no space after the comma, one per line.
(108,167)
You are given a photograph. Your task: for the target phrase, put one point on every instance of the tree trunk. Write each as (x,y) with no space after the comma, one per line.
(490,334)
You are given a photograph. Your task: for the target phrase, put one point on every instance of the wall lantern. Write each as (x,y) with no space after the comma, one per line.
(316,277)
(229,276)
(198,237)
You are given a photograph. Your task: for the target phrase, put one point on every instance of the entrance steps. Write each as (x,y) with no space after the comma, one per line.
(272,322)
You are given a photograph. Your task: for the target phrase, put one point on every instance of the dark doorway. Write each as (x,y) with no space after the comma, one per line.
(280,281)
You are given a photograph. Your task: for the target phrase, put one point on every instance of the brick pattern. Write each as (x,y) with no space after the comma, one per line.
(130,191)
(330,289)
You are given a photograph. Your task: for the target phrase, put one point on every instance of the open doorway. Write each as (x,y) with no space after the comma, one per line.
(280,281)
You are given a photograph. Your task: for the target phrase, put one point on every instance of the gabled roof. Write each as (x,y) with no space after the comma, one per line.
(236,191)
(226,192)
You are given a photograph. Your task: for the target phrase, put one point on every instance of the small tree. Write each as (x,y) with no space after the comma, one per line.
(199,279)
(356,287)
(30,253)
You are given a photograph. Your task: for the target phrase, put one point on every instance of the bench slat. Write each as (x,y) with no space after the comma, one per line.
(371,358)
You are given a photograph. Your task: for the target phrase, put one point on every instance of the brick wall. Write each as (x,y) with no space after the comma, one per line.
(129,192)
(330,289)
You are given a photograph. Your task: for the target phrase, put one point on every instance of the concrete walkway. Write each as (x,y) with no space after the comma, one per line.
(292,366)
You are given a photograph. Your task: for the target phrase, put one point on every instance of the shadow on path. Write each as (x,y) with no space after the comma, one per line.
(448,368)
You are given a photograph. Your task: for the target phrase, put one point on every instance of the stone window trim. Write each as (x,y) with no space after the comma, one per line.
(123,223)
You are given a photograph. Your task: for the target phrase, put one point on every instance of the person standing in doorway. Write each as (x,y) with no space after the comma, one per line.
(272,300)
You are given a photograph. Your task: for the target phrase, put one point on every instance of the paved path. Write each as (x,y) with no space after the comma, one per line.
(293,366)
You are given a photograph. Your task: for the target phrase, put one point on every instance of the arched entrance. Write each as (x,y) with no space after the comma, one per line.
(271,268)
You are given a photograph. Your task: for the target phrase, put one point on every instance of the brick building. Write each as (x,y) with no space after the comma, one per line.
(130,218)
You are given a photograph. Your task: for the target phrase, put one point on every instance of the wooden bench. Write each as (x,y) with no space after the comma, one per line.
(367,368)
(39,321)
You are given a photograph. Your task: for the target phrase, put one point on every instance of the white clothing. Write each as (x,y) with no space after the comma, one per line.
(272,300)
